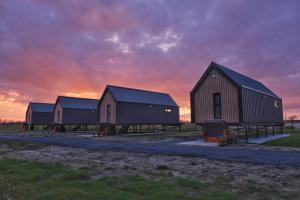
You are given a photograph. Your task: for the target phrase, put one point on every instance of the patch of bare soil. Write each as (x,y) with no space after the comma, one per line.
(114,163)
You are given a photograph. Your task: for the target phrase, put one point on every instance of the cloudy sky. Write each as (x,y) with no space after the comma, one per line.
(76,47)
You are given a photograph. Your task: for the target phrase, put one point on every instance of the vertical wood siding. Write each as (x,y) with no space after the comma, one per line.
(135,113)
(107,100)
(259,108)
(55,114)
(80,116)
(41,118)
(203,99)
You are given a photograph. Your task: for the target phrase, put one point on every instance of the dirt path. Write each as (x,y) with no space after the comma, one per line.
(259,156)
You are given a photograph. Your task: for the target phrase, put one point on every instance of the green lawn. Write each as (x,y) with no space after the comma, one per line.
(292,141)
(32,180)
(21,180)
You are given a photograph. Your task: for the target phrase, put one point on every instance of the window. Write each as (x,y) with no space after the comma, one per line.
(217,106)
(168,110)
(108,112)
(276,104)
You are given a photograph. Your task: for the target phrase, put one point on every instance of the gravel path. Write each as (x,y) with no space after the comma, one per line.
(259,156)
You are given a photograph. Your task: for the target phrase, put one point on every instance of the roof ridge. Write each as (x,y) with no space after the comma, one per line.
(77,98)
(41,103)
(138,89)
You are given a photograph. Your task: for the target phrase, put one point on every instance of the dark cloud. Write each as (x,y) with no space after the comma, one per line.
(77,46)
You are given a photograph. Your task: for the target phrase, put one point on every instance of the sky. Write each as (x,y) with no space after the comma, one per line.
(77,47)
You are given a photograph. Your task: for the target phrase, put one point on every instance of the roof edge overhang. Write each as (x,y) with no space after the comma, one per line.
(212,66)
(265,93)
(148,104)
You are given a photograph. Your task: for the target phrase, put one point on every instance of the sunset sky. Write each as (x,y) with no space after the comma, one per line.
(76,47)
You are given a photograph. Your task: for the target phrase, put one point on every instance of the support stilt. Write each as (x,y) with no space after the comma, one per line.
(246,135)
(266,131)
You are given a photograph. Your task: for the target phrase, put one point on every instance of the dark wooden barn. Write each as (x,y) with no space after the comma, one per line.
(223,94)
(127,106)
(39,114)
(75,111)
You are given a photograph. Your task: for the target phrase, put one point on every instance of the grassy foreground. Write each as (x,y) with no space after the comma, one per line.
(292,141)
(32,180)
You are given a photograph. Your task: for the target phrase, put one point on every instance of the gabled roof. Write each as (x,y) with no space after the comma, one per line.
(77,103)
(130,95)
(239,79)
(41,107)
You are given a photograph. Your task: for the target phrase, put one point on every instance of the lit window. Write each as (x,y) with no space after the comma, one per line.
(213,75)
(276,104)
(168,110)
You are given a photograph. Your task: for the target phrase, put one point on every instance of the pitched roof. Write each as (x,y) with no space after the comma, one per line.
(41,107)
(245,81)
(237,78)
(122,94)
(78,103)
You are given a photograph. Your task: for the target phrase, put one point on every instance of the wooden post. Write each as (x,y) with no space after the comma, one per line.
(148,128)
(257,132)
(281,129)
(140,128)
(153,128)
(273,131)
(238,130)
(246,130)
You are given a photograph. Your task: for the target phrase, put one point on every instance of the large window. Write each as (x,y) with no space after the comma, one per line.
(108,112)
(217,106)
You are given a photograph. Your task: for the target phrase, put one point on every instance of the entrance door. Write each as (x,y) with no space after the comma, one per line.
(217,106)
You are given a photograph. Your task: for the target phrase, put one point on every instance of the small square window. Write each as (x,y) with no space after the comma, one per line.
(276,104)
(168,110)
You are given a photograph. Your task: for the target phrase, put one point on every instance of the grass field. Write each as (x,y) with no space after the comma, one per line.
(292,141)
(24,179)
(11,127)
(31,180)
